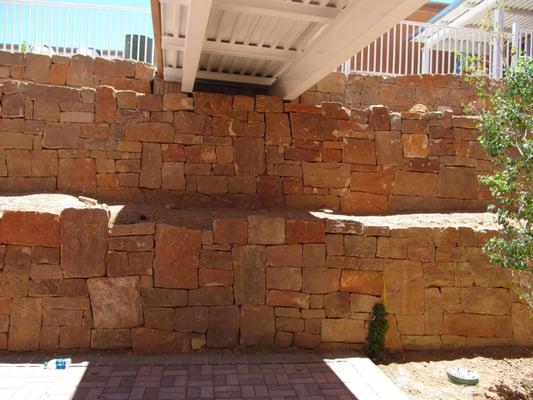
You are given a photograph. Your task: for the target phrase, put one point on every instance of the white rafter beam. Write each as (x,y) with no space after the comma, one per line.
(198,15)
(233,49)
(281,9)
(249,51)
(177,73)
(519,12)
(359,24)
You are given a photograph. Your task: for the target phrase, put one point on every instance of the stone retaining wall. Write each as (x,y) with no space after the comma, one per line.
(257,279)
(398,93)
(355,91)
(236,151)
(76,71)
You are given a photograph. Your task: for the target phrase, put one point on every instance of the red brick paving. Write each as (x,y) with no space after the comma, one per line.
(115,376)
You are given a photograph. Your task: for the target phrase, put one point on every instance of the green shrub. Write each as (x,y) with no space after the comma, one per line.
(375,341)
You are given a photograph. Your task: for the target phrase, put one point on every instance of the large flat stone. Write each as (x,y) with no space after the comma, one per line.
(83,242)
(25,326)
(177,257)
(330,175)
(249,263)
(223,327)
(29,228)
(158,341)
(257,326)
(479,300)
(404,283)
(342,331)
(116,302)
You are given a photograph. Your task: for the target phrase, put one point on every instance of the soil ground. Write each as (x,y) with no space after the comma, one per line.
(505,374)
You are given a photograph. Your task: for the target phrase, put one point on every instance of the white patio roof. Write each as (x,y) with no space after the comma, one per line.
(288,45)
(474,13)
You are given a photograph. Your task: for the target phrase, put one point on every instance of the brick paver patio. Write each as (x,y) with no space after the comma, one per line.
(117,376)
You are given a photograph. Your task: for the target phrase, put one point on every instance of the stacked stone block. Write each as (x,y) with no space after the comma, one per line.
(76,71)
(399,93)
(236,151)
(70,279)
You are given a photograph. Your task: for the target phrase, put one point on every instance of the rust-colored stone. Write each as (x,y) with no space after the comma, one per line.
(177,253)
(320,280)
(362,281)
(116,302)
(266,230)
(249,263)
(159,341)
(342,331)
(404,283)
(29,228)
(83,242)
(249,156)
(106,104)
(77,176)
(257,325)
(190,319)
(223,327)
(25,324)
(284,278)
(111,338)
(302,231)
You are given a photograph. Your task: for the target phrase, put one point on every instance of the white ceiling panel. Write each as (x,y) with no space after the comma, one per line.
(258,41)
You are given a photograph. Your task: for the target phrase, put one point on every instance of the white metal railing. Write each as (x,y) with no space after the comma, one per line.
(415,48)
(49,27)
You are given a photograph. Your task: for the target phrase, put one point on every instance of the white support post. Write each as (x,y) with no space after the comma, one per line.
(339,41)
(196,27)
(426,53)
(497,44)
(515,48)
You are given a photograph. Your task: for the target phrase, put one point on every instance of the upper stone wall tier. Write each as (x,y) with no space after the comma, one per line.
(77,71)
(355,91)
(398,93)
(236,151)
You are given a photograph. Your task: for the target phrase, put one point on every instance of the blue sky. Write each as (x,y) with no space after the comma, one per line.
(85,27)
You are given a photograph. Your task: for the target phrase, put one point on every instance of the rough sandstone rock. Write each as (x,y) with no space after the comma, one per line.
(230,231)
(151,166)
(77,176)
(342,331)
(404,282)
(83,242)
(190,319)
(334,175)
(284,298)
(223,327)
(158,341)
(257,325)
(25,324)
(320,280)
(155,297)
(362,282)
(116,302)
(284,278)
(470,325)
(110,338)
(301,231)
(177,257)
(478,300)
(29,228)
(249,263)
(249,156)
(106,104)
(266,230)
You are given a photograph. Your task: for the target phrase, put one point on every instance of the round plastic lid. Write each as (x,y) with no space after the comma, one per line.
(462,376)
